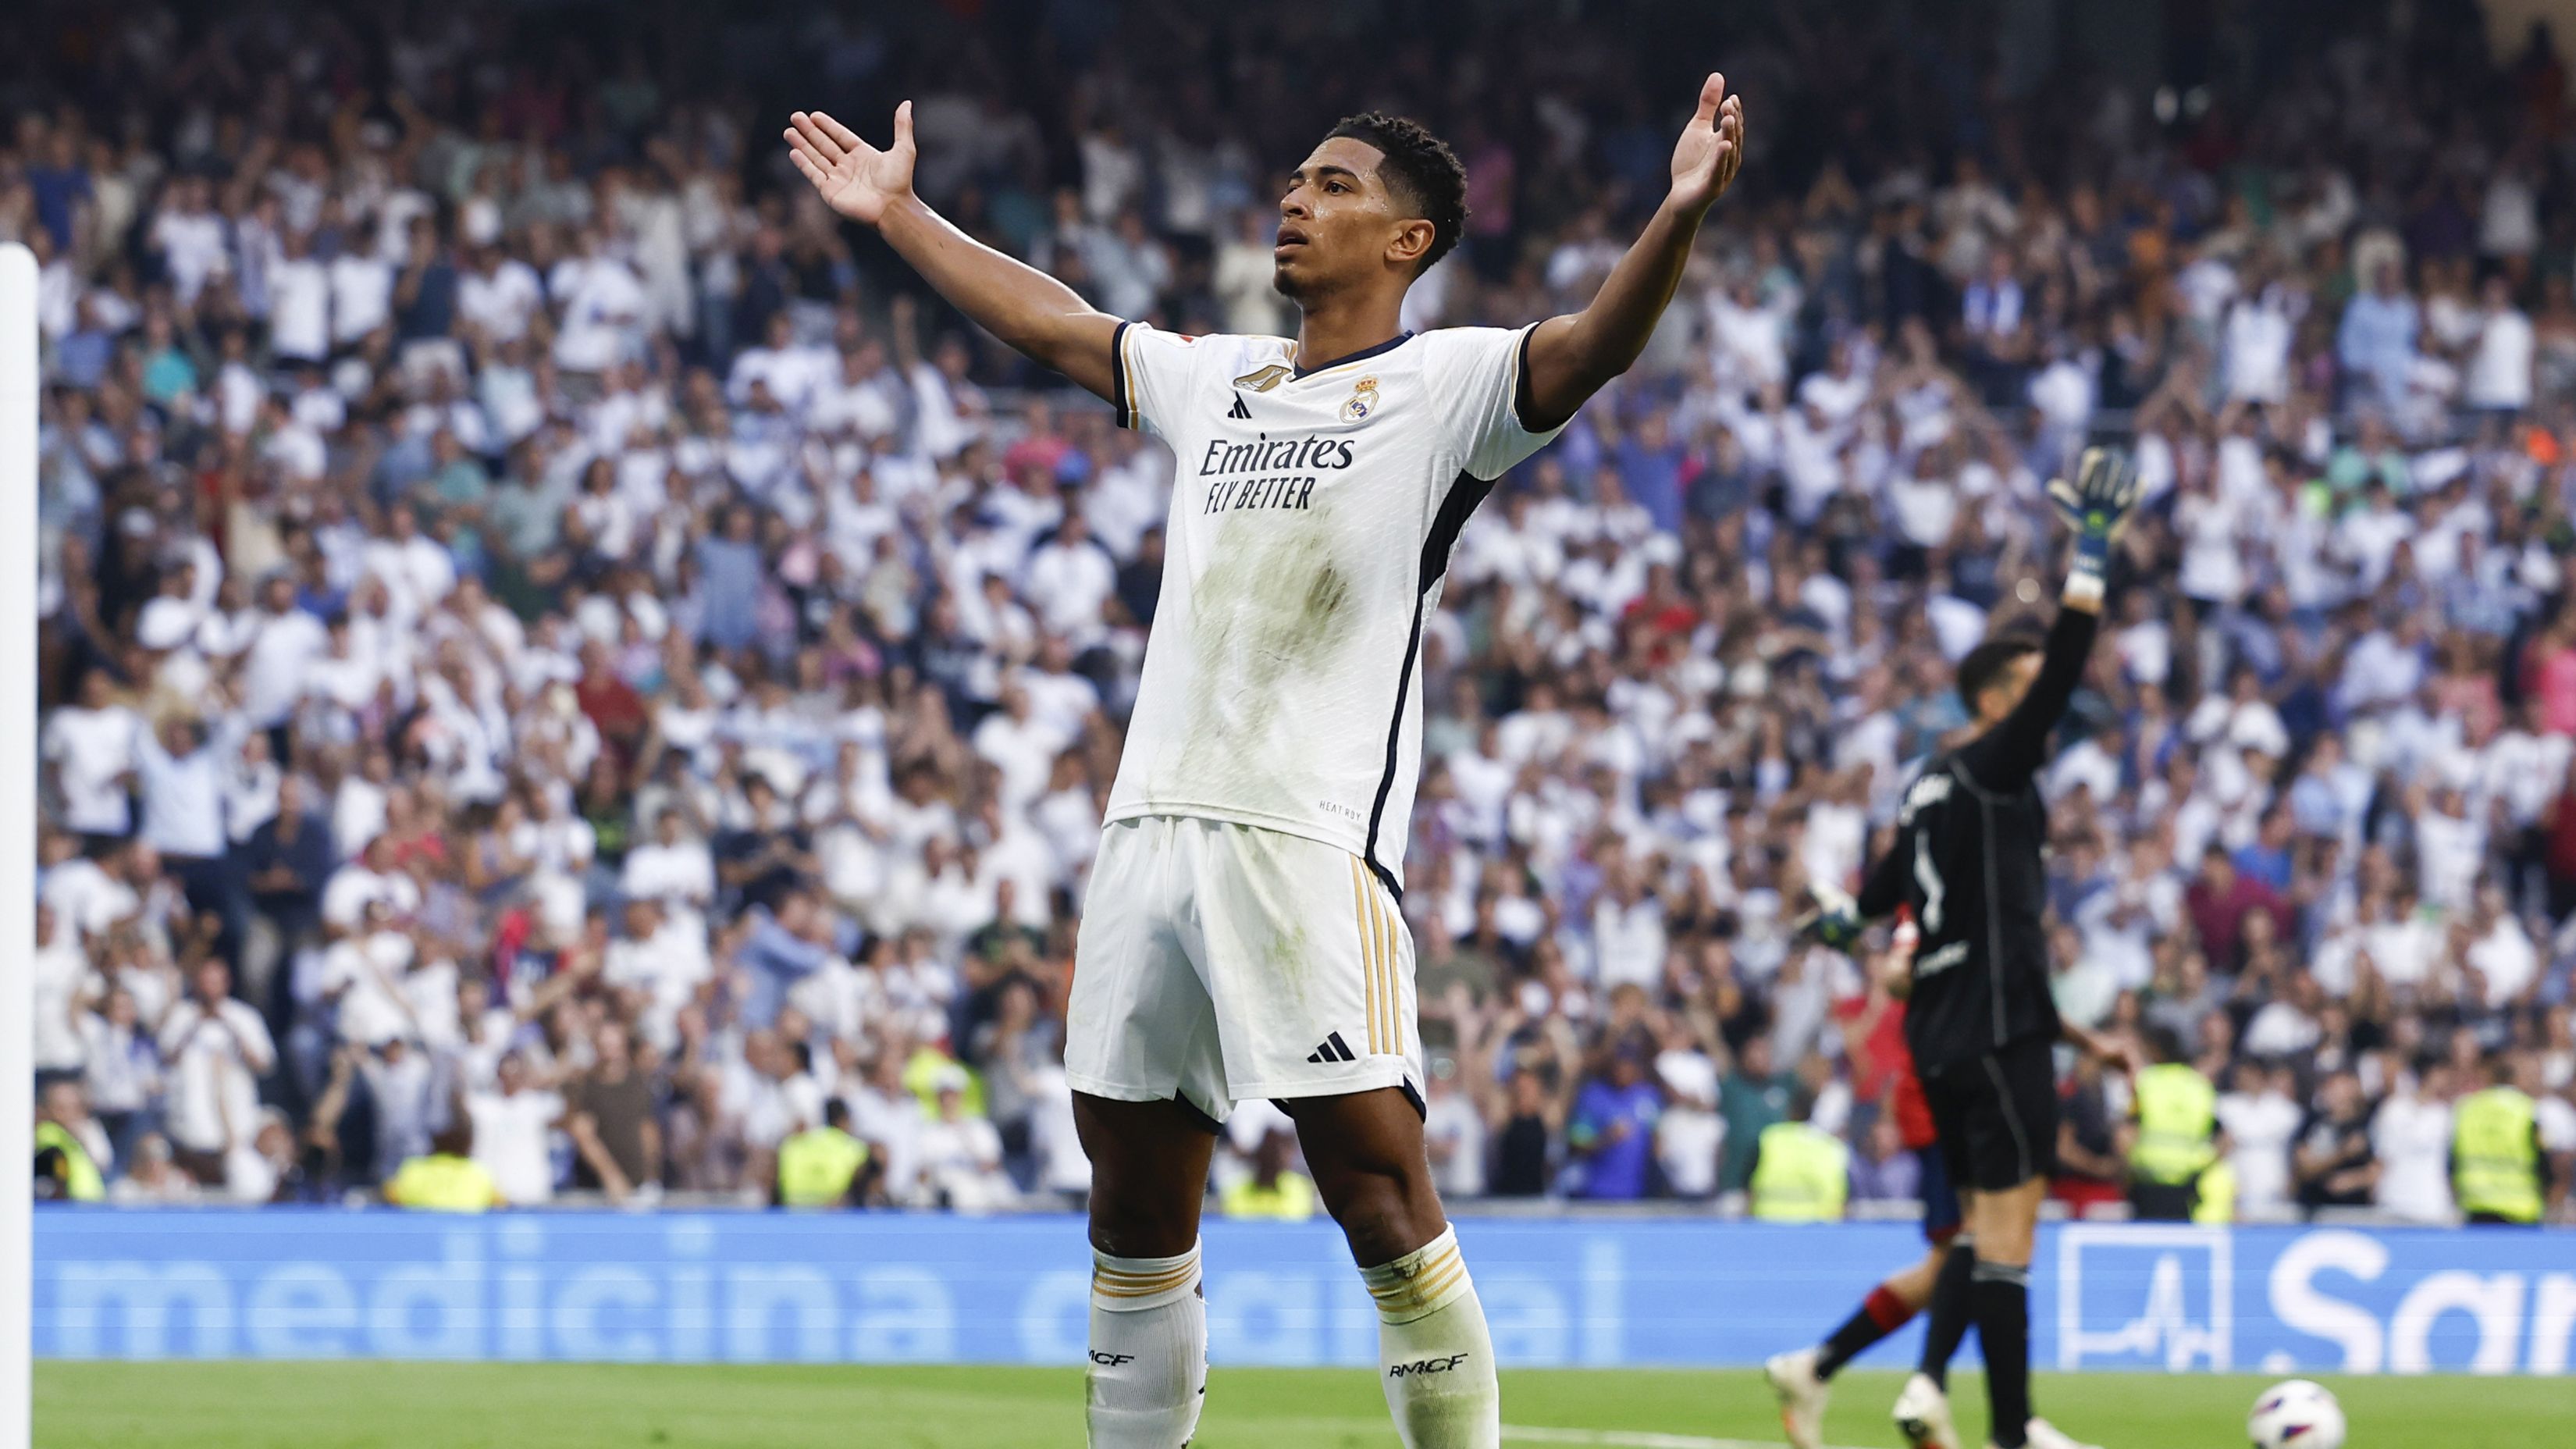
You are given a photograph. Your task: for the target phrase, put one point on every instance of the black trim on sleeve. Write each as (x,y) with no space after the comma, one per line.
(1521,399)
(1119,397)
(1455,510)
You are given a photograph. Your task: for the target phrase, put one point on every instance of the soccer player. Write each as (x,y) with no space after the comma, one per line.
(1979,1020)
(1241,935)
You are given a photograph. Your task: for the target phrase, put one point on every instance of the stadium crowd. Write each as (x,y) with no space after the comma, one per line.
(543,628)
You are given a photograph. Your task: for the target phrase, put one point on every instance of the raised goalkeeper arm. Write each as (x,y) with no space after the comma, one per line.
(1033,312)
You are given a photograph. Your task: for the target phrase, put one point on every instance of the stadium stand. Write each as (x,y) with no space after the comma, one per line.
(539,625)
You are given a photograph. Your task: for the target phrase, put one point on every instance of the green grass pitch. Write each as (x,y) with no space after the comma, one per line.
(577,1406)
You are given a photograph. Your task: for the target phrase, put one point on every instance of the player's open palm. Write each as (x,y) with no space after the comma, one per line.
(1711,149)
(854,178)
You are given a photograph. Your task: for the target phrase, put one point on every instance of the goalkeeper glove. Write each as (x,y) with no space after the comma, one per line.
(1835,921)
(2097,506)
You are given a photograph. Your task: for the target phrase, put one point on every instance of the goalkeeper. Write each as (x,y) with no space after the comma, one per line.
(1979,1021)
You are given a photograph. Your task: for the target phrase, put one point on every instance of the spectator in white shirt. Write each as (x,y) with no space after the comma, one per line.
(1070,577)
(514,1126)
(216,1049)
(961,1155)
(362,296)
(2501,360)
(90,747)
(2260,1118)
(2411,1136)
(299,317)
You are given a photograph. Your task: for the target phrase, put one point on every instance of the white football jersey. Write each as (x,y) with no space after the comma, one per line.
(1312,517)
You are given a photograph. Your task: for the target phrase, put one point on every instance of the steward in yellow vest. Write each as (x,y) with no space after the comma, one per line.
(1288,1197)
(2496,1164)
(2216,1203)
(820,1166)
(75,1177)
(1801,1174)
(447,1179)
(1275,1188)
(2176,1136)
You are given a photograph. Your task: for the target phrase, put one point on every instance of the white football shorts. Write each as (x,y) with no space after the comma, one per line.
(1220,962)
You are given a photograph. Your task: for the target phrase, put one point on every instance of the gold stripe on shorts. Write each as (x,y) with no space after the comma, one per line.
(1368,951)
(1390,961)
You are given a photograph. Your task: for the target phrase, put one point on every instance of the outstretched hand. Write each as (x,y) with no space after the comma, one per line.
(1711,147)
(2097,506)
(2098,503)
(853,178)
(1835,921)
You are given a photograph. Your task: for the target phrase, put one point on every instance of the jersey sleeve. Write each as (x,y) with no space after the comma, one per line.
(1479,377)
(1152,373)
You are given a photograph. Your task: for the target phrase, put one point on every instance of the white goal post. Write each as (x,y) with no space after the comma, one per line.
(17,826)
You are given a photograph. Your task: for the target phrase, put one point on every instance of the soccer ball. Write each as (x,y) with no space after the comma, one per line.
(2296,1414)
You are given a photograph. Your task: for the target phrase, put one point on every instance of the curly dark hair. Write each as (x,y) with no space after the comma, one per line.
(1420,171)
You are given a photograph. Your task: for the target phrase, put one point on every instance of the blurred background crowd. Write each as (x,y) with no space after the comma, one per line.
(553,645)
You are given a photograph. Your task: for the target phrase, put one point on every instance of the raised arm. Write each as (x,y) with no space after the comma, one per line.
(1033,312)
(1570,357)
(2096,506)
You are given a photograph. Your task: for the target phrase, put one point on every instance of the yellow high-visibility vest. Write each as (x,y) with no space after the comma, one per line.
(440,1183)
(2177,1115)
(2216,1203)
(817,1166)
(1802,1175)
(81,1181)
(2495,1165)
(1289,1198)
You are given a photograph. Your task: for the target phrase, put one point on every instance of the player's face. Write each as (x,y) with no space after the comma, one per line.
(2011,683)
(1338,225)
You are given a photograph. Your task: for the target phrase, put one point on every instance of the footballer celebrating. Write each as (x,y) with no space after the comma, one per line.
(1967,864)
(1241,936)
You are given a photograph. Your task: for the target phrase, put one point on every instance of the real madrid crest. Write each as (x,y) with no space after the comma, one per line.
(1362,401)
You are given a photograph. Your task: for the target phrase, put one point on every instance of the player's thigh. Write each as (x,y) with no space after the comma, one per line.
(1139,1025)
(1365,1151)
(2006,1222)
(1149,1168)
(1309,963)
(2013,1147)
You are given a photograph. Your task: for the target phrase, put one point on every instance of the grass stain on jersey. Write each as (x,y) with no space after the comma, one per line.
(1256,627)
(1326,597)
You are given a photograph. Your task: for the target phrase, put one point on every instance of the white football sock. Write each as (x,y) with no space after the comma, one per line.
(1148,1373)
(1435,1359)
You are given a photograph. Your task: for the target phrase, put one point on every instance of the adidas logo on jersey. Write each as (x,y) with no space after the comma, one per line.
(1334,1049)
(1239,410)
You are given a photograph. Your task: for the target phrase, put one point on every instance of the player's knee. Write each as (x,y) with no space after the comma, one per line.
(1142,1220)
(1138,1229)
(1385,1210)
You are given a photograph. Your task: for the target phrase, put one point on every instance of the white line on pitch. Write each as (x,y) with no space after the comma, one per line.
(1630,1439)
